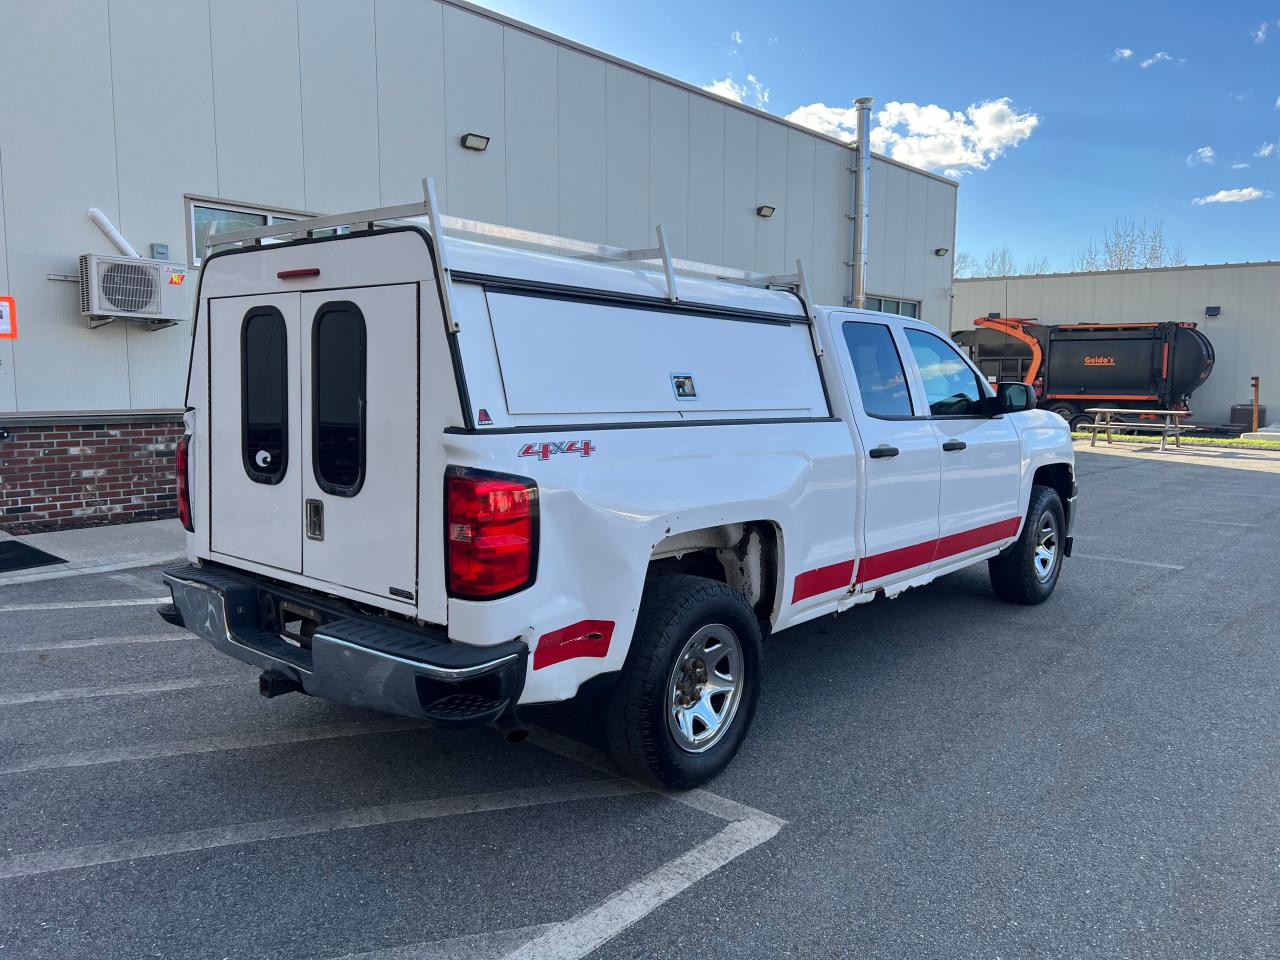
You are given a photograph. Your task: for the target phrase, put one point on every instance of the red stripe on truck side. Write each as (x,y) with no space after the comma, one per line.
(823,580)
(881,565)
(586,638)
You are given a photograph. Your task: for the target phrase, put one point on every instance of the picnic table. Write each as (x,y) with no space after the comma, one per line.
(1170,423)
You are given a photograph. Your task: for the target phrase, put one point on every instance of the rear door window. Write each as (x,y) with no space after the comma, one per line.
(264,395)
(950,385)
(338,381)
(882,382)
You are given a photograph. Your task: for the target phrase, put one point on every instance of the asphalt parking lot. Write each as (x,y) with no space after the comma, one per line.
(940,775)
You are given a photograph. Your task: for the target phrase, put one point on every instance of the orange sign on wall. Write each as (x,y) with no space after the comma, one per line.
(8,319)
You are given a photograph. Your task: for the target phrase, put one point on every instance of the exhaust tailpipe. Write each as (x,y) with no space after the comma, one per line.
(511,727)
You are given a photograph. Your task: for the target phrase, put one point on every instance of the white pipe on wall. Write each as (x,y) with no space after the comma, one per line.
(114,235)
(861,203)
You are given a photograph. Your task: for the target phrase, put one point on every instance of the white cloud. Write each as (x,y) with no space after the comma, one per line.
(1260,35)
(772,41)
(953,141)
(1240,195)
(1239,166)
(1203,155)
(1122,53)
(736,37)
(752,92)
(1161,57)
(1267,149)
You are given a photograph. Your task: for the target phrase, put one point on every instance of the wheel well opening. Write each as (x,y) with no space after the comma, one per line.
(1058,476)
(740,555)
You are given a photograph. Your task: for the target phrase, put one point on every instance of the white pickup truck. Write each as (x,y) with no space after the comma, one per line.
(443,476)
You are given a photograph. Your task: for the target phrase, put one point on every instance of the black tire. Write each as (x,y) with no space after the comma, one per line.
(1067,411)
(634,713)
(1014,574)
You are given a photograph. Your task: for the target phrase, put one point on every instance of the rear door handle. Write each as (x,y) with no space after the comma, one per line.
(954,445)
(315,520)
(882,451)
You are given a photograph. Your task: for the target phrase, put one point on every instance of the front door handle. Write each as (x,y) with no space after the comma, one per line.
(954,445)
(882,451)
(315,520)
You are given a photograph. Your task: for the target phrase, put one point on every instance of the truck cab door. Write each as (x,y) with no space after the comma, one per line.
(902,467)
(981,453)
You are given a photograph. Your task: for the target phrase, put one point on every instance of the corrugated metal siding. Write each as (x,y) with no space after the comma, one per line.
(309,105)
(1244,337)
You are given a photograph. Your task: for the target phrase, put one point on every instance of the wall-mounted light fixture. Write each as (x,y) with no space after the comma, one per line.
(474,141)
(1213,311)
(764,210)
(941,252)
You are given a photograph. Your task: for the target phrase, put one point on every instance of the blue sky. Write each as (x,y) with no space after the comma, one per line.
(1087,134)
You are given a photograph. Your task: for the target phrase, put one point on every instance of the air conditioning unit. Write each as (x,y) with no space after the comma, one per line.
(131,288)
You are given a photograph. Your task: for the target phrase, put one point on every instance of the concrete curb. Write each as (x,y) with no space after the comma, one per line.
(106,549)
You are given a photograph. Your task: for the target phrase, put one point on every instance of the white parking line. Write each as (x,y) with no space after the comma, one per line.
(74,858)
(475,946)
(182,748)
(579,936)
(94,642)
(1136,563)
(120,690)
(82,604)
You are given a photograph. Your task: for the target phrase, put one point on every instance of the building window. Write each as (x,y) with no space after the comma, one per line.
(264,395)
(338,379)
(903,308)
(216,216)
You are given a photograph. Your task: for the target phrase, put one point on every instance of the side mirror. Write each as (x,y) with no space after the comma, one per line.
(1014,397)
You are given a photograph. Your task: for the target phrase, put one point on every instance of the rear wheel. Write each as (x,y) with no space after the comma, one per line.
(687,694)
(1027,571)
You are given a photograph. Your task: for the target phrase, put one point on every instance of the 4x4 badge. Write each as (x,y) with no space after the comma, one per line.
(543,451)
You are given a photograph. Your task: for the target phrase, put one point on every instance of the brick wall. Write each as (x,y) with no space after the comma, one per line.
(56,474)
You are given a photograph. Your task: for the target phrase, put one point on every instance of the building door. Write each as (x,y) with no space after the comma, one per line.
(903,465)
(359,444)
(981,454)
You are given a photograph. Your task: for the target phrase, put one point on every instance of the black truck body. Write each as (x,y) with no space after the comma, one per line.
(1073,367)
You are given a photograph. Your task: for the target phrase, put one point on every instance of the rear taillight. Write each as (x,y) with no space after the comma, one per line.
(491,533)
(184,487)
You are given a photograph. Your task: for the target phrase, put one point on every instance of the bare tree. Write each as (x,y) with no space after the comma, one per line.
(1037,265)
(965,264)
(1128,245)
(999,263)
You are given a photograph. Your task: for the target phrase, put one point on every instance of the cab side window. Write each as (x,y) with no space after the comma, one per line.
(882,381)
(950,385)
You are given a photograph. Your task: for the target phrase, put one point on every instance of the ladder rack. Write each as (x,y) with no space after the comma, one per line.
(441,226)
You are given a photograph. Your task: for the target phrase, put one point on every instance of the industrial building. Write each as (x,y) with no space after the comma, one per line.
(170,118)
(1237,305)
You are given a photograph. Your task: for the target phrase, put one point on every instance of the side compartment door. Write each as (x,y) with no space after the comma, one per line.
(255,423)
(981,453)
(903,467)
(359,504)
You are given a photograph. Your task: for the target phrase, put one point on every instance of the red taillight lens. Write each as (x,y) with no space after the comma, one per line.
(184,489)
(491,532)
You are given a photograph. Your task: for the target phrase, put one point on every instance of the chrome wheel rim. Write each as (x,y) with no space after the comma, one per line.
(1046,552)
(705,688)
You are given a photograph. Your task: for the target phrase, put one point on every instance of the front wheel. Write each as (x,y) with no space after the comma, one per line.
(1027,571)
(687,694)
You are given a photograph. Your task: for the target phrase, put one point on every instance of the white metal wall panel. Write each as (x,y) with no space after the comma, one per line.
(582,160)
(801,166)
(56,120)
(258,101)
(915,236)
(832,235)
(771,188)
(411,122)
(627,158)
(8,388)
(739,188)
(473,97)
(339,82)
(669,163)
(706,180)
(533,184)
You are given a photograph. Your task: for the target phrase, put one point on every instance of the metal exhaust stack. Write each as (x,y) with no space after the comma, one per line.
(860,214)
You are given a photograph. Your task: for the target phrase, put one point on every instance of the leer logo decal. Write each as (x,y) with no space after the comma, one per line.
(544,451)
